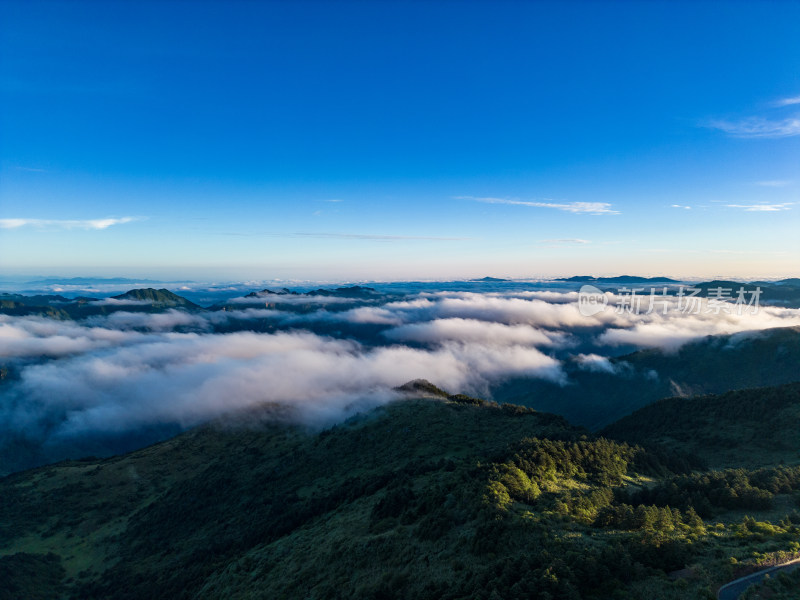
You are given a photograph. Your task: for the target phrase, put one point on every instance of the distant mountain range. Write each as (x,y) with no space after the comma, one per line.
(61,307)
(785,293)
(354,291)
(147,300)
(791,282)
(618,279)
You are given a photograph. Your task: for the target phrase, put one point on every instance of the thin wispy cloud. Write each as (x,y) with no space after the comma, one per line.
(565,241)
(761,207)
(787,101)
(761,126)
(65,223)
(589,208)
(758,127)
(681,206)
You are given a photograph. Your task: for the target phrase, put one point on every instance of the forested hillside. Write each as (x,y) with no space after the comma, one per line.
(714,364)
(752,427)
(445,497)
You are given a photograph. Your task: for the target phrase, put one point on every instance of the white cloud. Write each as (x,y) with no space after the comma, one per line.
(247,314)
(544,308)
(787,101)
(369,314)
(191,378)
(121,302)
(65,224)
(161,321)
(762,207)
(132,370)
(38,337)
(565,241)
(438,317)
(681,206)
(671,331)
(758,127)
(595,363)
(509,311)
(589,208)
(473,331)
(268,298)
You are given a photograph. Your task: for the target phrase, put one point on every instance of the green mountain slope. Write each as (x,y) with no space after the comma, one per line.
(753,427)
(35,300)
(158,298)
(714,364)
(426,498)
(59,307)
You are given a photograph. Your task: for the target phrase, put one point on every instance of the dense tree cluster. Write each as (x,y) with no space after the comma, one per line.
(599,460)
(708,493)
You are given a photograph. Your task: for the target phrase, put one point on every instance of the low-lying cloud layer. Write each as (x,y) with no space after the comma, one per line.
(473,331)
(122,380)
(126,371)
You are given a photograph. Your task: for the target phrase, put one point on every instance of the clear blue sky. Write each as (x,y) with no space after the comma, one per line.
(387,140)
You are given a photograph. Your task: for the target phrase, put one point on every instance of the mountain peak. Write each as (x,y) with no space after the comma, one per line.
(422,388)
(162,297)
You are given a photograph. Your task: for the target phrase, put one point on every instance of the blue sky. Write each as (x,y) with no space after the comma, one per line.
(349,140)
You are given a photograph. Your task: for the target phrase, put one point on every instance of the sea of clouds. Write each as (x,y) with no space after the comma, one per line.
(127,371)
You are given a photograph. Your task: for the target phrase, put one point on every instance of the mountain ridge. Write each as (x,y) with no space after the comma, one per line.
(421,498)
(749,427)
